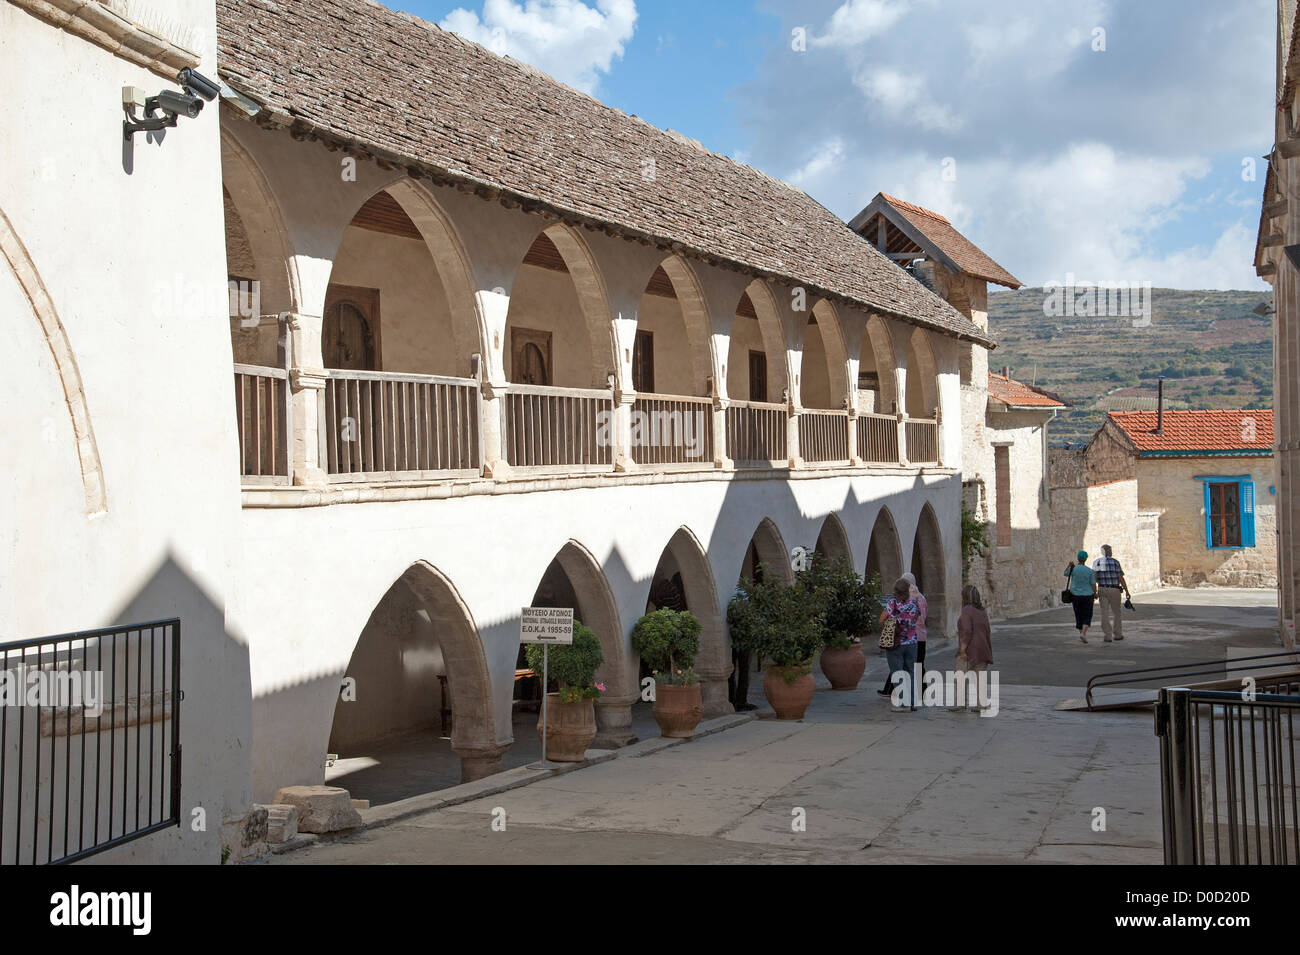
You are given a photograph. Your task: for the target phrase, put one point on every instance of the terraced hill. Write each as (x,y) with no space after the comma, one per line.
(1213,350)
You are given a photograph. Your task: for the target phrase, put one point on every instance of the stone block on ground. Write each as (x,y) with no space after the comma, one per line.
(320,808)
(281,822)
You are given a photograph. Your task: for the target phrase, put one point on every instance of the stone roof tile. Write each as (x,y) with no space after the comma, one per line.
(388,83)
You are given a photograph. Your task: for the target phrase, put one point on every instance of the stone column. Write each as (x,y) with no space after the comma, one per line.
(792,413)
(479,761)
(713,691)
(902,438)
(306,391)
(614,721)
(721,461)
(623,401)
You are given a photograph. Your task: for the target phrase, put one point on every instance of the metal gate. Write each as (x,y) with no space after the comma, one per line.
(1228,777)
(90,754)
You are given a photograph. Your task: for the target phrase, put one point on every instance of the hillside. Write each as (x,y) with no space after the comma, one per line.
(1213,351)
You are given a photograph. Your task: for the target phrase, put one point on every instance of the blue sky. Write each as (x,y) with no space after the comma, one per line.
(1095,137)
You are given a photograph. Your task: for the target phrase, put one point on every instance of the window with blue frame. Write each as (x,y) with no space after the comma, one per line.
(1229,512)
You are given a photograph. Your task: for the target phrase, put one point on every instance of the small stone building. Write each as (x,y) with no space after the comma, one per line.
(1208,478)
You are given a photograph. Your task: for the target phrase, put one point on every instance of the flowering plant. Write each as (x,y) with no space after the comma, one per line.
(576,694)
(681,676)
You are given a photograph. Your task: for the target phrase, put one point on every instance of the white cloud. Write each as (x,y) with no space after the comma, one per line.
(904,99)
(826,161)
(573,42)
(857,21)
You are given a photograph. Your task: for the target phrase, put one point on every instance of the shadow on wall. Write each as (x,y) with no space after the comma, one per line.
(215,723)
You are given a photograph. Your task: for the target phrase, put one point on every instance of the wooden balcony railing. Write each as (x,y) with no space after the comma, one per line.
(571,428)
(262,413)
(378,426)
(824,436)
(756,433)
(922,440)
(672,429)
(878,438)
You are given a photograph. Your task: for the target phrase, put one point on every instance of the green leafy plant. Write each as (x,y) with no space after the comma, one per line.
(573,666)
(974,537)
(785,624)
(668,641)
(848,604)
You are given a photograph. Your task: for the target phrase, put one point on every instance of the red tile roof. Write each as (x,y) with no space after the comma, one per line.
(1222,430)
(1017,394)
(961,250)
(391,85)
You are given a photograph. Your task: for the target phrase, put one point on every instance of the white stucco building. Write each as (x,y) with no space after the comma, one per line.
(494,344)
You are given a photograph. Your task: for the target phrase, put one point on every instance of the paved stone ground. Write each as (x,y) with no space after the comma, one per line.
(874,785)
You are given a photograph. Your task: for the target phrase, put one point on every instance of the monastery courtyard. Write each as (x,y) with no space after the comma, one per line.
(869,785)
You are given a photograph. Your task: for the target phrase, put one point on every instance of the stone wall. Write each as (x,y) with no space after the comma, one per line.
(1169,485)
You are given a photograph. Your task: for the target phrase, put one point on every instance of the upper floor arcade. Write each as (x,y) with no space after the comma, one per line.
(615,302)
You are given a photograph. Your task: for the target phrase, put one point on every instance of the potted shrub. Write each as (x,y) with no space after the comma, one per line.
(785,625)
(848,604)
(571,710)
(668,642)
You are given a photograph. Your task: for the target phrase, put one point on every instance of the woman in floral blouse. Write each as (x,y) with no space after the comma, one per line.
(902,607)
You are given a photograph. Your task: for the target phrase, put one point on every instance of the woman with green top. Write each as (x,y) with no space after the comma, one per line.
(1082,585)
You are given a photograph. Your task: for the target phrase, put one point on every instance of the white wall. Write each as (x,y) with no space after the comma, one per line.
(134,264)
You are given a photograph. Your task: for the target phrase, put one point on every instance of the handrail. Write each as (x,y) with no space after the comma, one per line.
(516,389)
(656,396)
(1186,669)
(350,374)
(760,405)
(262,371)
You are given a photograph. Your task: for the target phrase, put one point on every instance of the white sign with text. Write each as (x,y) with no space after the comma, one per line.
(546,625)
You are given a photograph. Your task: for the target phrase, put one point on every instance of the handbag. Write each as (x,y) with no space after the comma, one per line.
(1067,596)
(889,634)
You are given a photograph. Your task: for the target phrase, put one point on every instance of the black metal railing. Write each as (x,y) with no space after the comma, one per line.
(1276,672)
(90,754)
(1228,777)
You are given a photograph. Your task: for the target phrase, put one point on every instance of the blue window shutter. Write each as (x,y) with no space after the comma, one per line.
(1246,497)
(1209,529)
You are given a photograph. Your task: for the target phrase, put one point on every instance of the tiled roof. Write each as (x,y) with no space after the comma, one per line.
(392,85)
(1186,431)
(1017,394)
(961,250)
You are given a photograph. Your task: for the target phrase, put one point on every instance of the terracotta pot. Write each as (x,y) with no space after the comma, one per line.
(844,668)
(570,729)
(788,699)
(677,710)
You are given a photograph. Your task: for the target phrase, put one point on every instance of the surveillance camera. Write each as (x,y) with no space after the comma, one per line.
(195,82)
(178,103)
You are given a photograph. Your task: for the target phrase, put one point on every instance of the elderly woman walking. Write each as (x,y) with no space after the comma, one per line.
(923,609)
(902,609)
(1082,585)
(974,641)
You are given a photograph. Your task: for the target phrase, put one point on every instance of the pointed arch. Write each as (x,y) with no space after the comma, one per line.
(922,376)
(268,237)
(775,340)
(695,314)
(831,333)
(65,363)
(381,654)
(767,545)
(928,567)
(595,606)
(884,550)
(593,301)
(833,540)
(701,596)
(878,344)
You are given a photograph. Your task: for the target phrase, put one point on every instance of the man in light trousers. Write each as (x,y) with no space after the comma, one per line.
(1112,590)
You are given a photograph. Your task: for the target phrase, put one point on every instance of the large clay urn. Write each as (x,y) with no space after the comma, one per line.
(570,729)
(788,699)
(677,710)
(844,668)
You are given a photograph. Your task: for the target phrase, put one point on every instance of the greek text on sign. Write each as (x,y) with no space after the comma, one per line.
(546,625)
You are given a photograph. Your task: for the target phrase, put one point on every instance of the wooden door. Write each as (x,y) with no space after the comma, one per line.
(350,331)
